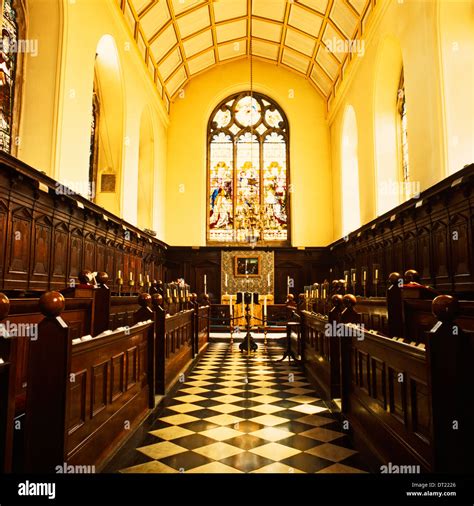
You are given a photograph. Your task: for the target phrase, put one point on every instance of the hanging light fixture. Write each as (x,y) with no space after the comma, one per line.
(254,218)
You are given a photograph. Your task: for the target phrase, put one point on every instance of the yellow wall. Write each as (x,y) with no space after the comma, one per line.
(456,25)
(310,170)
(412,24)
(58,101)
(42,75)
(433,39)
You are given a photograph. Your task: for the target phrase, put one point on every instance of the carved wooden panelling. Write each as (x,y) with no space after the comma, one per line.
(397,381)
(420,408)
(75,254)
(117,376)
(132,365)
(99,379)
(460,244)
(3,238)
(100,261)
(42,249)
(363,367)
(77,401)
(89,255)
(60,251)
(378,381)
(439,239)
(142,361)
(20,244)
(410,250)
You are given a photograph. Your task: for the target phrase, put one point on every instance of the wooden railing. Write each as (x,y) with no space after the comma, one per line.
(404,398)
(85,396)
(116,364)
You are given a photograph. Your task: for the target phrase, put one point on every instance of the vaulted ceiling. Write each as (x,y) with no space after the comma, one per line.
(181,38)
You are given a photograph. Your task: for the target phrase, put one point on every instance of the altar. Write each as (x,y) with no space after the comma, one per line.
(237,311)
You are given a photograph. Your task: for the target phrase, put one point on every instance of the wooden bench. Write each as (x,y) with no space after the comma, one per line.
(90,396)
(405,400)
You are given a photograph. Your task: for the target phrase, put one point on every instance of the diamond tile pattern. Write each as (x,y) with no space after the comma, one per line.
(244,427)
(308,36)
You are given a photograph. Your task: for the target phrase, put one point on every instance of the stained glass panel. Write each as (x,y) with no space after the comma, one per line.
(221,217)
(248,171)
(247,111)
(222,118)
(273,118)
(274,188)
(7,73)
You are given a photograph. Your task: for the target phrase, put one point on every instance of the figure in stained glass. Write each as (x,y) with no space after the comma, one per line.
(7,73)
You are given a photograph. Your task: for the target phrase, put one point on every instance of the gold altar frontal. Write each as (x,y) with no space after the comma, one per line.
(238,310)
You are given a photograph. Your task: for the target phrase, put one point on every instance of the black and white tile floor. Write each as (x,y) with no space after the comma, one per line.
(239,414)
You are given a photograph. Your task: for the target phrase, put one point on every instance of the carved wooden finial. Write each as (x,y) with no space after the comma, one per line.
(394,277)
(194,297)
(349,300)
(301,297)
(157,301)
(102,278)
(144,299)
(337,299)
(52,303)
(412,276)
(4,306)
(445,308)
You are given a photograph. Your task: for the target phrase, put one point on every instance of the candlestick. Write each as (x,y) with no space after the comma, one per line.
(376,274)
(131,276)
(268,280)
(265,306)
(119,276)
(365,275)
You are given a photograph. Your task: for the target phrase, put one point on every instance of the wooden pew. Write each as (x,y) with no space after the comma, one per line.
(91,396)
(174,344)
(321,356)
(402,400)
(7,386)
(401,396)
(122,310)
(201,328)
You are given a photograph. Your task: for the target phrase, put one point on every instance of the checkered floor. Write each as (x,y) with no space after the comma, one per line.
(235,414)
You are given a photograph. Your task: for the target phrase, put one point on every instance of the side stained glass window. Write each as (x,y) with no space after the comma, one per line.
(8,54)
(248,172)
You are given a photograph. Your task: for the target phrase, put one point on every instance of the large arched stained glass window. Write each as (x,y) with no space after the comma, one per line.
(248,171)
(8,53)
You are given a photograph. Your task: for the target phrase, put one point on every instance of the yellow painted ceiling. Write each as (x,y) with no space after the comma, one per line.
(180,38)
